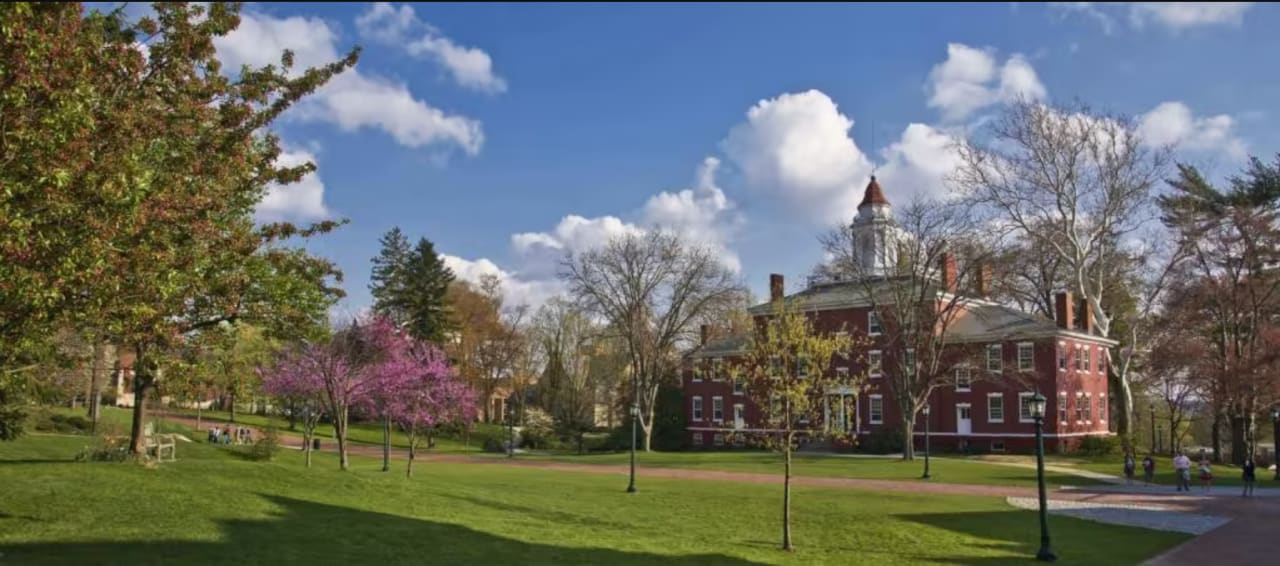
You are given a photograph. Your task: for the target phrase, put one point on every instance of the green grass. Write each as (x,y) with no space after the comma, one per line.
(213,508)
(1223,474)
(942,470)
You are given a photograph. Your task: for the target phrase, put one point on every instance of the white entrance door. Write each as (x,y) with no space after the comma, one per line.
(964,423)
(738,421)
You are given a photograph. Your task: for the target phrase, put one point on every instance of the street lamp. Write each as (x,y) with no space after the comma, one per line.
(1037,413)
(925,410)
(635,415)
(1275,435)
(1152,410)
(511,429)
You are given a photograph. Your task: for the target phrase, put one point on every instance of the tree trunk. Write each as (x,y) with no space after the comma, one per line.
(786,496)
(233,406)
(413,445)
(1173,436)
(142,379)
(646,431)
(1216,435)
(908,439)
(340,431)
(306,443)
(96,382)
(1124,405)
(386,444)
(1238,439)
(199,417)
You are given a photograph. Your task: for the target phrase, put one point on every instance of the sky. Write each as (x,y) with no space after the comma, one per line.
(511,134)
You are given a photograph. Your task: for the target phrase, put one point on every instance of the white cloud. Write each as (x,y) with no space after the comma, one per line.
(516,289)
(470,67)
(797,147)
(970,80)
(1174,16)
(352,100)
(300,201)
(918,163)
(1174,124)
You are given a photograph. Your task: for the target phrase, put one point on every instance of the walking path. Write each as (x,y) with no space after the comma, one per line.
(1234,529)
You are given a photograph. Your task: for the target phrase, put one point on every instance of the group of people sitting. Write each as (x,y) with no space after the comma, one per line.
(229,435)
(1182,471)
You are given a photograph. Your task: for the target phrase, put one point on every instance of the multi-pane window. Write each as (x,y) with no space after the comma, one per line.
(739,386)
(697,408)
(842,374)
(1080,358)
(874,328)
(1024,407)
(717,409)
(962,378)
(1062,355)
(995,408)
(995,358)
(1026,356)
(698,371)
(697,439)
(739,413)
(1079,408)
(877,409)
(1088,358)
(1103,407)
(1088,407)
(874,363)
(717,369)
(718,439)
(1062,408)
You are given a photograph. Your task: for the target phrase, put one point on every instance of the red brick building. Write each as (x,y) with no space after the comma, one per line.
(1061,358)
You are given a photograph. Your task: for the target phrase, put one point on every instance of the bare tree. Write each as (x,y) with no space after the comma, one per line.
(653,289)
(916,298)
(567,338)
(1076,182)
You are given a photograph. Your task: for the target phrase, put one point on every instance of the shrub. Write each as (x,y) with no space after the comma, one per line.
(883,442)
(106,448)
(539,430)
(1099,446)
(495,445)
(266,447)
(44,420)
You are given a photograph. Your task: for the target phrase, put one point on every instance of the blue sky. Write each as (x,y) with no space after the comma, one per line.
(508,134)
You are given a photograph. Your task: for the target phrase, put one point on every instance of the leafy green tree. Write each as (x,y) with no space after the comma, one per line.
(388,280)
(426,282)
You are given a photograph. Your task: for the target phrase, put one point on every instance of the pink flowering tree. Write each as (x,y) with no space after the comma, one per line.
(295,381)
(429,394)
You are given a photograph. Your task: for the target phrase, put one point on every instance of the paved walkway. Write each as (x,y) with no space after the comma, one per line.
(1244,538)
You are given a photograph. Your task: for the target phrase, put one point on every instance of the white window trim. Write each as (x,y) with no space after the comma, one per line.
(1079,413)
(999,359)
(1088,416)
(968,386)
(1062,361)
(714,400)
(697,439)
(871,370)
(1021,396)
(1062,407)
(739,387)
(697,373)
(871,415)
(1102,404)
(872,314)
(717,439)
(717,364)
(699,411)
(739,422)
(1032,347)
(999,396)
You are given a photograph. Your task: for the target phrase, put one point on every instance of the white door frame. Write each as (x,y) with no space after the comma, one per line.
(964,426)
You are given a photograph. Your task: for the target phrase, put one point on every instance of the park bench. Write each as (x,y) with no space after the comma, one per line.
(160,444)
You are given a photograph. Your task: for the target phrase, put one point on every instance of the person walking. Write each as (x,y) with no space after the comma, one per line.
(1182,468)
(1148,470)
(1206,475)
(1248,474)
(1129,466)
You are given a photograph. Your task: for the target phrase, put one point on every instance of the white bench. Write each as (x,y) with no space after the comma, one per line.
(160,445)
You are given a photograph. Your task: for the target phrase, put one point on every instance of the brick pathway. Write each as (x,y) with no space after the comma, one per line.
(1245,539)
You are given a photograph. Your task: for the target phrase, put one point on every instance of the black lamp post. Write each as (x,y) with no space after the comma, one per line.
(635,415)
(511,429)
(1037,412)
(925,411)
(1275,439)
(1152,410)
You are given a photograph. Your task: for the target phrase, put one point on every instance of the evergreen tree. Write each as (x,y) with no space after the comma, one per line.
(387,283)
(426,280)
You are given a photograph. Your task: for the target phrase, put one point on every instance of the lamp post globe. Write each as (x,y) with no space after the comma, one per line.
(1037,409)
(1275,434)
(925,411)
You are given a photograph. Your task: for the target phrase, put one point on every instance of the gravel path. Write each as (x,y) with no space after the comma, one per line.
(1130,514)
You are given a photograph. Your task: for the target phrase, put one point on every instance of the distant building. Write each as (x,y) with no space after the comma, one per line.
(1063,359)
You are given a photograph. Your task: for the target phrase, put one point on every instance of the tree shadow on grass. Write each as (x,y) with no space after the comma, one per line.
(541,514)
(305,532)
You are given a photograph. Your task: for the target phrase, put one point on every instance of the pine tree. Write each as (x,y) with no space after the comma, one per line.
(387,283)
(426,280)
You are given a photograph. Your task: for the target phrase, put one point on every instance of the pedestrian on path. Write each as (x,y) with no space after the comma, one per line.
(1182,468)
(1248,473)
(1129,467)
(1148,470)
(1206,474)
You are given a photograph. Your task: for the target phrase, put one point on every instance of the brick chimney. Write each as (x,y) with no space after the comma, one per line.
(982,280)
(1084,316)
(776,289)
(949,272)
(1062,306)
(704,332)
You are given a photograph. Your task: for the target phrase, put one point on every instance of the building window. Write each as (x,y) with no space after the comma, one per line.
(1079,408)
(1088,358)
(775,367)
(1062,356)
(697,408)
(1079,358)
(802,367)
(1102,361)
(1062,408)
(697,371)
(717,369)
(1024,407)
(874,364)
(1026,356)
(962,379)
(718,439)
(1088,407)
(995,358)
(739,386)
(739,415)
(995,407)
(874,328)
(877,409)
(842,375)
(697,439)
(997,446)
(1102,407)
(717,408)
(910,364)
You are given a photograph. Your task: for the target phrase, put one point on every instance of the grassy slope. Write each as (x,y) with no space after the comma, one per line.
(213,508)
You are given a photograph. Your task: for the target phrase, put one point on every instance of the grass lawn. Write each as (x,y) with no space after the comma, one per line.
(214,508)
(1223,474)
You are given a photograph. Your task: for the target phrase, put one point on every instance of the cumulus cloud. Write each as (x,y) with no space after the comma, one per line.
(352,100)
(1174,124)
(470,67)
(1173,16)
(300,201)
(971,79)
(516,289)
(918,163)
